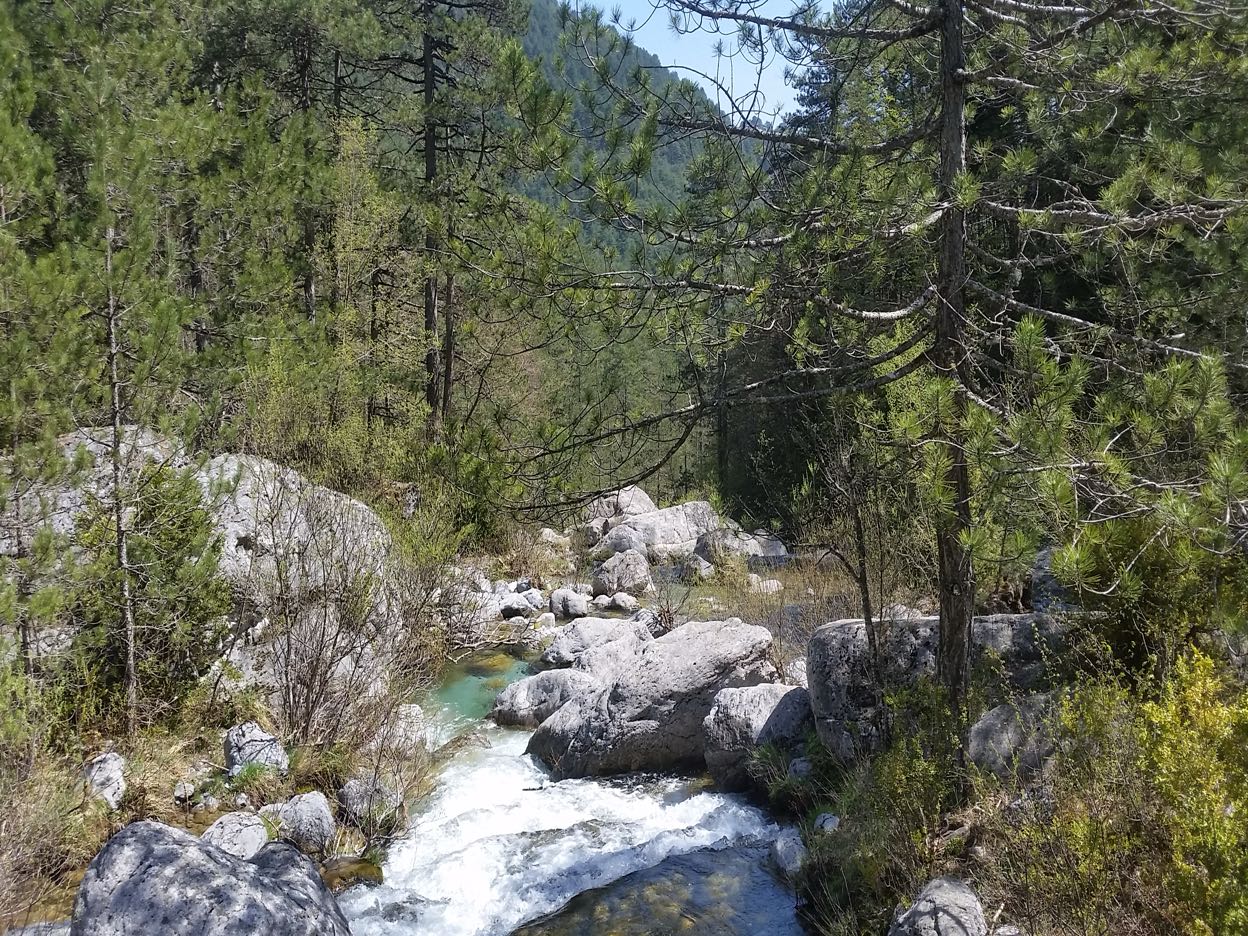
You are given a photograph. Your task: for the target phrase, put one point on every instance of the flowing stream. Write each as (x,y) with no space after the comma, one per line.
(499,848)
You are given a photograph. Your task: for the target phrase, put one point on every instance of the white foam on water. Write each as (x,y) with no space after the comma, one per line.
(499,844)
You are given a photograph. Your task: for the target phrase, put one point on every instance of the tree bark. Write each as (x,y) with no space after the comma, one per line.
(448,348)
(432,368)
(956,573)
(118,502)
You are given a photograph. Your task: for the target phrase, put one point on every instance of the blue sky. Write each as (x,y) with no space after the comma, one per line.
(697,51)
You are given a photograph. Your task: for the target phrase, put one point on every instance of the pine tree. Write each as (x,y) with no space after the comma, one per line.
(966,157)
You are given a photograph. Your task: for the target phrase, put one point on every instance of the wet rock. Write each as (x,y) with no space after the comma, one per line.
(789,854)
(248,743)
(529,702)
(945,906)
(241,834)
(650,717)
(744,719)
(153,880)
(105,778)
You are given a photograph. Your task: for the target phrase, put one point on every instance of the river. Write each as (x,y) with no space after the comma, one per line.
(499,848)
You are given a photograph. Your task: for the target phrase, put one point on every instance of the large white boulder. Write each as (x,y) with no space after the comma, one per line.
(570,642)
(743,719)
(624,572)
(650,716)
(152,879)
(626,502)
(672,531)
(530,701)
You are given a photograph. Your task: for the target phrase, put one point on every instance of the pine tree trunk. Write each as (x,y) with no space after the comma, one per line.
(118,502)
(432,369)
(863,576)
(957,577)
(448,348)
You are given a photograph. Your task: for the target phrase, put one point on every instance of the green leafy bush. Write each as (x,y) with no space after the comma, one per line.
(1142,826)
(180,602)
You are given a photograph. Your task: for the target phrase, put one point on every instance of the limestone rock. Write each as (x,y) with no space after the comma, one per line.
(728,542)
(530,701)
(622,539)
(153,880)
(945,906)
(572,640)
(306,820)
(843,687)
(742,720)
(1013,739)
(105,778)
(789,854)
(371,806)
(625,572)
(241,834)
(650,716)
(248,743)
(626,502)
(623,601)
(568,603)
(674,531)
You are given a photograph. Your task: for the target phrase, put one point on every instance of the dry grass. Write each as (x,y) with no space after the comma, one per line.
(48,831)
(814,593)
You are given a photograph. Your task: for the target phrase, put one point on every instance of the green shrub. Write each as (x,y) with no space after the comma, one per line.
(180,602)
(892,810)
(1142,827)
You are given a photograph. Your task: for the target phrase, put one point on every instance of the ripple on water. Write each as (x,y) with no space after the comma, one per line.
(711,893)
(498,845)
